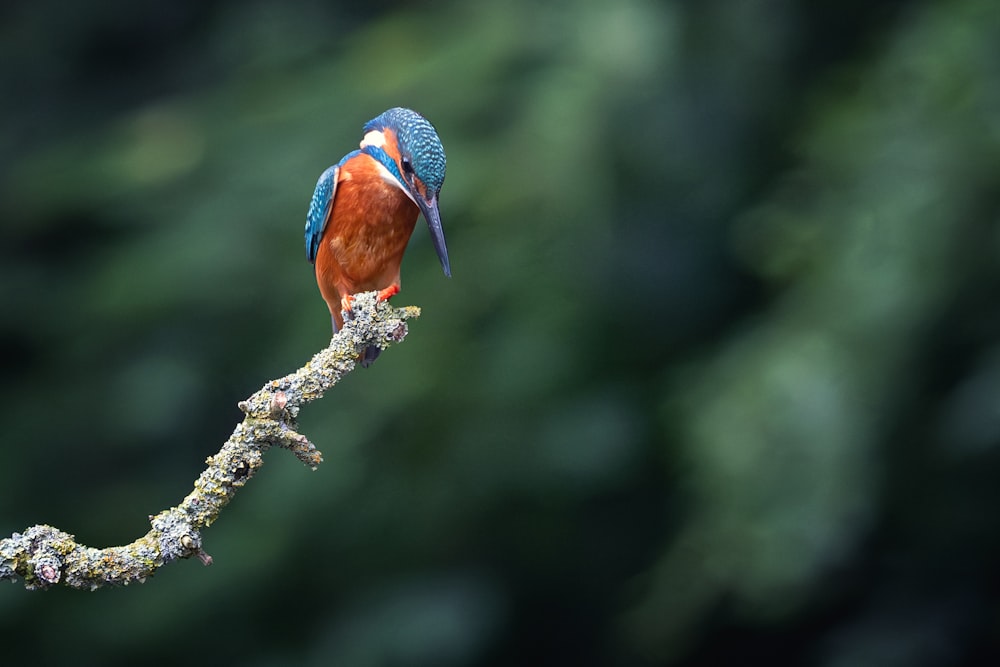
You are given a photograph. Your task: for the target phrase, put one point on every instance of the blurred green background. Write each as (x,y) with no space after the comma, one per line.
(717,380)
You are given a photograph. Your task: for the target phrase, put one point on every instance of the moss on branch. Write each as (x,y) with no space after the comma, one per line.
(44,556)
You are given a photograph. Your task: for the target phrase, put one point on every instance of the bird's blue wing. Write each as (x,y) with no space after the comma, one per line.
(319,210)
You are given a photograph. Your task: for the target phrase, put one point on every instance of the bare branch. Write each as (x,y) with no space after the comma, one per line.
(45,556)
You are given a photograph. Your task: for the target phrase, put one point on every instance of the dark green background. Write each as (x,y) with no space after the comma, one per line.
(717,380)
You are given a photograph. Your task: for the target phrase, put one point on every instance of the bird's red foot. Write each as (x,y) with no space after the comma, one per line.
(347,303)
(391,290)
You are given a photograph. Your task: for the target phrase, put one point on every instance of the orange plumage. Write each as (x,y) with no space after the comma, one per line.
(362,247)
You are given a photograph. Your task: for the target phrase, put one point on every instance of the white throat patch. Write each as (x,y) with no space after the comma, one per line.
(391,180)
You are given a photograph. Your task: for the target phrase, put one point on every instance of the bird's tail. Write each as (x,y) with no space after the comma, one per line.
(369,356)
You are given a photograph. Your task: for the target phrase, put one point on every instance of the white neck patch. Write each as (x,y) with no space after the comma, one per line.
(374,138)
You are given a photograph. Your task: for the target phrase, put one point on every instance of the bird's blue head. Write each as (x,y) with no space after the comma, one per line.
(418,144)
(420,164)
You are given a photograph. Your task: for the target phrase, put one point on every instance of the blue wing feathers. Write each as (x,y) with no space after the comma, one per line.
(319,210)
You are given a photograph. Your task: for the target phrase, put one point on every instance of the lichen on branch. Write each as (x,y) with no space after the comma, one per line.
(45,556)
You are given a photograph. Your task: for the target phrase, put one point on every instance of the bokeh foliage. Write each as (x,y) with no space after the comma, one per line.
(716,379)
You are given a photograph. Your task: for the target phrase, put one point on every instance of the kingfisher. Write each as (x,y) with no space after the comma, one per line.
(365,207)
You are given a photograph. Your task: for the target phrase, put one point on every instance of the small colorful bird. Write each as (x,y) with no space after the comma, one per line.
(365,207)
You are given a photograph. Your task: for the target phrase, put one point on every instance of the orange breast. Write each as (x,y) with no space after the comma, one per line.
(363,244)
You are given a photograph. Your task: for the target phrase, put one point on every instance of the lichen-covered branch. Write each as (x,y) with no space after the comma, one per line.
(45,556)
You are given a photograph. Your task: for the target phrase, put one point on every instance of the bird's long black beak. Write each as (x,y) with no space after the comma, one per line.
(429,207)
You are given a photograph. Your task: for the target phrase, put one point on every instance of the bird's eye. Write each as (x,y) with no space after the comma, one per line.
(407,165)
